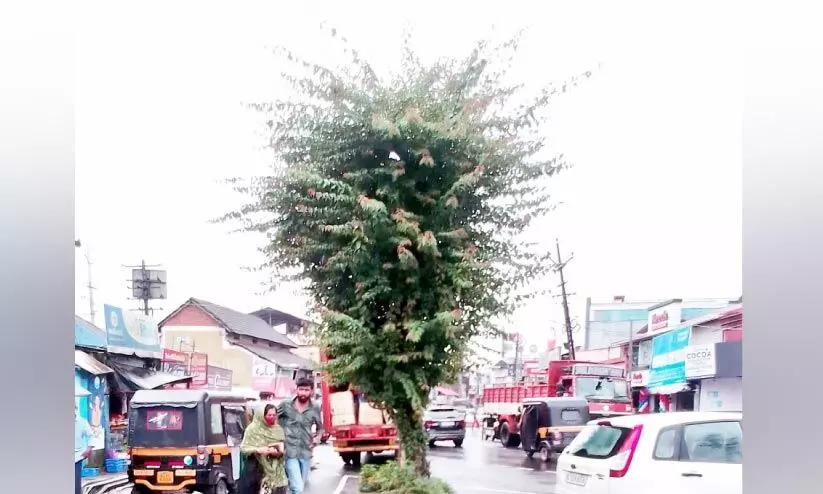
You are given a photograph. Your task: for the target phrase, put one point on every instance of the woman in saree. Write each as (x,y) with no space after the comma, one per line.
(263,447)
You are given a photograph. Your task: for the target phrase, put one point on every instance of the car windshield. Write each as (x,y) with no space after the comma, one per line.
(603,388)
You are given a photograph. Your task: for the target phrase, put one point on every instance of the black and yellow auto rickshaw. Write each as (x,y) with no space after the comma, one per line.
(185,440)
(548,425)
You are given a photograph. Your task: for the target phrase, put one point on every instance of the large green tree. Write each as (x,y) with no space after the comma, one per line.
(400,200)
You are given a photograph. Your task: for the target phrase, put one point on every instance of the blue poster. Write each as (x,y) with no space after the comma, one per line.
(669,357)
(129,331)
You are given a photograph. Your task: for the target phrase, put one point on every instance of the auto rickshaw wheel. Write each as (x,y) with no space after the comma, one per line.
(139,489)
(529,454)
(545,453)
(221,487)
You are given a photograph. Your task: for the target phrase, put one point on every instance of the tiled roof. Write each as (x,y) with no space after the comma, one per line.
(242,324)
(280,356)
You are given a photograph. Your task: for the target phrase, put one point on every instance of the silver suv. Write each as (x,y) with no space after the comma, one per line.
(445,423)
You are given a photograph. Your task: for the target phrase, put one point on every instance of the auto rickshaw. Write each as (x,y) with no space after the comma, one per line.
(185,440)
(548,425)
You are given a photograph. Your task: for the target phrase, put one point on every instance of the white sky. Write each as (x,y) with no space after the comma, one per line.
(652,208)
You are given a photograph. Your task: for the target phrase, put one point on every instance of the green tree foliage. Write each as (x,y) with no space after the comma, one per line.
(400,200)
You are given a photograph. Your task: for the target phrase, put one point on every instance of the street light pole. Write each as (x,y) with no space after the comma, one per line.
(89,285)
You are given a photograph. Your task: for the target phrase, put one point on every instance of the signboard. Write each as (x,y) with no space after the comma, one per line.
(199,369)
(219,378)
(700,361)
(127,331)
(640,378)
(263,375)
(88,335)
(664,317)
(668,357)
(174,362)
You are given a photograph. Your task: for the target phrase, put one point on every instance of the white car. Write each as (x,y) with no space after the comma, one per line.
(675,453)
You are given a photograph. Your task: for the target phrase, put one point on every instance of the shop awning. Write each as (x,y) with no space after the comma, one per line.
(128,379)
(90,364)
(278,355)
(669,389)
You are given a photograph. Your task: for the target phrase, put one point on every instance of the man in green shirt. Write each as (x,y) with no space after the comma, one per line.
(297,416)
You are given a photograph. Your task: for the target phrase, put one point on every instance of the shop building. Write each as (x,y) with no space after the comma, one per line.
(682,362)
(609,323)
(111,365)
(262,360)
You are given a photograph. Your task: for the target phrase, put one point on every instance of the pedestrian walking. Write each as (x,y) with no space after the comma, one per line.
(297,416)
(82,448)
(263,447)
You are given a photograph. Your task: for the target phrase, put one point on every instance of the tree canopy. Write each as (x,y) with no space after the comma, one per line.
(400,200)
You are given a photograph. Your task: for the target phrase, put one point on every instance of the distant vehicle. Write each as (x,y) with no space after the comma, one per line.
(684,452)
(445,423)
(604,387)
(354,423)
(549,424)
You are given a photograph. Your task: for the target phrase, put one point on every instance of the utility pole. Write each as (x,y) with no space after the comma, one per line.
(89,285)
(567,317)
(147,284)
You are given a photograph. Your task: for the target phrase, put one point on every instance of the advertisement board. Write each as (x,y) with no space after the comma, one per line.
(263,375)
(199,369)
(663,318)
(128,331)
(669,356)
(700,361)
(220,378)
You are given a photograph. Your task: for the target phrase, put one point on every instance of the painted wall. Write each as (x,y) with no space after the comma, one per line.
(94,408)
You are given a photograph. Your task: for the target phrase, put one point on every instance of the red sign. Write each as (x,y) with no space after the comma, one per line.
(660,320)
(199,369)
(174,356)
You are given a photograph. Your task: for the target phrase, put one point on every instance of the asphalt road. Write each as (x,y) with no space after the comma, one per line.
(477,468)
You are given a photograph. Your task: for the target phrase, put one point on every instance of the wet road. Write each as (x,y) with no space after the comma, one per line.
(477,468)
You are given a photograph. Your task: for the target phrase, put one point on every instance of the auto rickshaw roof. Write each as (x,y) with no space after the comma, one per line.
(564,401)
(180,398)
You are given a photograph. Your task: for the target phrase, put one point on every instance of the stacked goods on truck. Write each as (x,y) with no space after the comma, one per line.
(605,388)
(356,425)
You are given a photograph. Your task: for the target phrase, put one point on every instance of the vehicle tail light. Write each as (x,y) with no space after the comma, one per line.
(427,424)
(128,456)
(622,460)
(461,423)
(391,431)
(341,434)
(202,455)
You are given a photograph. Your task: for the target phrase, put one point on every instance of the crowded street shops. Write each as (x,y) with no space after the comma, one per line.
(691,365)
(109,366)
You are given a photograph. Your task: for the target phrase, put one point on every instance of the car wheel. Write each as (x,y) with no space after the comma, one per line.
(356,460)
(545,454)
(458,443)
(431,444)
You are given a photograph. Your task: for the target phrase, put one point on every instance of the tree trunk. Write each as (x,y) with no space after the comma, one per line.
(413,440)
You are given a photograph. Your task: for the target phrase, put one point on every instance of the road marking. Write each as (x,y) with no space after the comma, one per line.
(342,484)
(501,491)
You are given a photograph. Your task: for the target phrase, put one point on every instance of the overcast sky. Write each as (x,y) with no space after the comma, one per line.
(652,208)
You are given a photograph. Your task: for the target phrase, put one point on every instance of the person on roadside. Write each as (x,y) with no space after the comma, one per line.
(303,425)
(263,448)
(82,448)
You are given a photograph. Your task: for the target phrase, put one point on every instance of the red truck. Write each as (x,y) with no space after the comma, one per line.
(605,387)
(354,425)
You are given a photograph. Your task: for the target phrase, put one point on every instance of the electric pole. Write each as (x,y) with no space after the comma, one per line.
(89,285)
(147,284)
(567,317)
